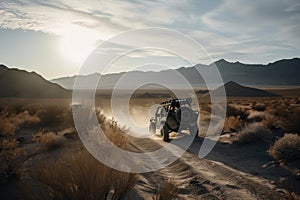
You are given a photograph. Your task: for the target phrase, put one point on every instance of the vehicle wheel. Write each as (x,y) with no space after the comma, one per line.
(184,115)
(152,128)
(194,130)
(165,133)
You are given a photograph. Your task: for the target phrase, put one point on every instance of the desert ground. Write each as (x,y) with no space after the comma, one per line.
(256,157)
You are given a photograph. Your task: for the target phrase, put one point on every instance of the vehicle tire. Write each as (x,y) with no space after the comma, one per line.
(194,130)
(152,128)
(165,133)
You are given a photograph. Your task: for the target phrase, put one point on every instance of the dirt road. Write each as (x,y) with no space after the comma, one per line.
(202,178)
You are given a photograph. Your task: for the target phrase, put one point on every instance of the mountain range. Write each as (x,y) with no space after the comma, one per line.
(280,73)
(20,83)
(23,84)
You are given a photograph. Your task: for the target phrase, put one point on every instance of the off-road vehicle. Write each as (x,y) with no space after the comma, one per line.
(174,115)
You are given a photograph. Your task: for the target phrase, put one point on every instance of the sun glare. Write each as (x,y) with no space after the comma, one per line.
(77,43)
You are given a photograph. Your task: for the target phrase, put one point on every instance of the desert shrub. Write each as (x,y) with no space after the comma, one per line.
(289,117)
(78,177)
(69,133)
(56,116)
(48,140)
(292,121)
(279,111)
(10,122)
(24,118)
(251,133)
(7,127)
(256,115)
(12,157)
(236,111)
(166,190)
(286,148)
(271,122)
(233,124)
(259,107)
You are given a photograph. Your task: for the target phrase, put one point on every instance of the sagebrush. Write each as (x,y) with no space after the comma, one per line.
(286,148)
(12,158)
(251,133)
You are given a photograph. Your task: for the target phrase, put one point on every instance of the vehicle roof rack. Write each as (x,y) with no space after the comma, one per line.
(177,101)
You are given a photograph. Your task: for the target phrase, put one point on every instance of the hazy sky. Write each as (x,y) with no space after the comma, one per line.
(54,37)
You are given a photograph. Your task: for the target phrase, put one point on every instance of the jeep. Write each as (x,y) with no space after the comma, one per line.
(174,115)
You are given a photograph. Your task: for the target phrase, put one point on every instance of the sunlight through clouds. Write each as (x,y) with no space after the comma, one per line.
(77,42)
(236,30)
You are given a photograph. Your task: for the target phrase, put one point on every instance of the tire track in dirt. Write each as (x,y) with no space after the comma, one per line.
(201,178)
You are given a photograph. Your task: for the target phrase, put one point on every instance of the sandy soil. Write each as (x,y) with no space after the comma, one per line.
(210,178)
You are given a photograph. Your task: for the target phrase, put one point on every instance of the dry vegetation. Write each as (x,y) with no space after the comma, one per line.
(286,148)
(251,133)
(48,140)
(265,122)
(79,177)
(55,116)
(11,122)
(166,190)
(14,118)
(12,158)
(233,124)
(251,120)
(113,131)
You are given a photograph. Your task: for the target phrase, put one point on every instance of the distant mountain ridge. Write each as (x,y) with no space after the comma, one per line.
(236,90)
(23,84)
(280,73)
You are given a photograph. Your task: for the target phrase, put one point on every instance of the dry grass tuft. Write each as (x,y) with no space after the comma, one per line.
(286,148)
(166,190)
(78,177)
(12,157)
(251,133)
(48,141)
(113,131)
(81,176)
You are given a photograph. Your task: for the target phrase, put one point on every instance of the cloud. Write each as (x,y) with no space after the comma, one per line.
(93,19)
(52,17)
(109,17)
(232,29)
(268,21)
